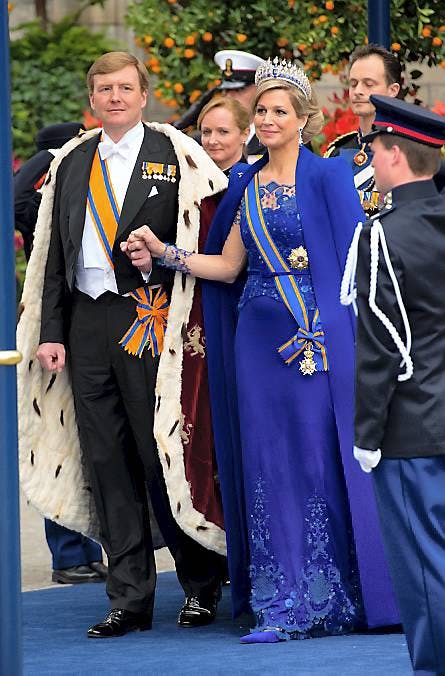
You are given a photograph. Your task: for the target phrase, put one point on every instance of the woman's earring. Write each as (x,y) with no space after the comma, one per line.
(300,136)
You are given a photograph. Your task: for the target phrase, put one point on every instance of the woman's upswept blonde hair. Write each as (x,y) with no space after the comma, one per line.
(239,112)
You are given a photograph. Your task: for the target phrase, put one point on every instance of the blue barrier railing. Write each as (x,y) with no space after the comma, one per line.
(10,606)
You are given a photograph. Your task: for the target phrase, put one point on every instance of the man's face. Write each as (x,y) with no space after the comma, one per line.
(366,77)
(245,96)
(383,162)
(118,101)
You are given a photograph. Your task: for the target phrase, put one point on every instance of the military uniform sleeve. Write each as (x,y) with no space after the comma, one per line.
(377,357)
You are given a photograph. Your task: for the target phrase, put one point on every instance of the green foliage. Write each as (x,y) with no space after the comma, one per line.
(48,70)
(180,37)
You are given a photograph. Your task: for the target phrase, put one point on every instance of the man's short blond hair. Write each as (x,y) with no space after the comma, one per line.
(113,61)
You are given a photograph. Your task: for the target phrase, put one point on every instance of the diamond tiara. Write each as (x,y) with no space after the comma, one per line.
(284,70)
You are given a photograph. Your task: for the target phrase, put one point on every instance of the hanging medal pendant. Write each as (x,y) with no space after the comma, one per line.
(361,157)
(307,365)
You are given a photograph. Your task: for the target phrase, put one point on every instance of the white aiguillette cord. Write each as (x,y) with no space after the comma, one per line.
(348,292)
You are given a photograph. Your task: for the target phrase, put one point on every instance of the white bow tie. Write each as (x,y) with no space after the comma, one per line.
(107,150)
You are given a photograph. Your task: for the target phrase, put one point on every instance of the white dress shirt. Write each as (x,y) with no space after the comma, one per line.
(94,275)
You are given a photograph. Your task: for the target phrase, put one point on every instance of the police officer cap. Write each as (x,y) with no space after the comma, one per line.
(56,135)
(397,117)
(237,68)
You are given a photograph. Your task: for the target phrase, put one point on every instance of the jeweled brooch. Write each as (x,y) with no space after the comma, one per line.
(298,258)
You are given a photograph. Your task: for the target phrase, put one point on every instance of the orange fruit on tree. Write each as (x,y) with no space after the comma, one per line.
(329,5)
(436,41)
(426,31)
(196,93)
(396,46)
(189,40)
(282,42)
(169,42)
(241,37)
(189,53)
(207,36)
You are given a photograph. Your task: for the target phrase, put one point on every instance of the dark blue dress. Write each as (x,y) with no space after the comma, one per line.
(302,562)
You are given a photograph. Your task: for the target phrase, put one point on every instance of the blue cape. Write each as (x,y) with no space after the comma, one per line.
(328,219)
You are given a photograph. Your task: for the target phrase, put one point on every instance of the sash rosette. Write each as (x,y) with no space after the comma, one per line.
(148,329)
(309,339)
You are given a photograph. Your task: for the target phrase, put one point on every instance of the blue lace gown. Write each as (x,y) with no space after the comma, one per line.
(302,564)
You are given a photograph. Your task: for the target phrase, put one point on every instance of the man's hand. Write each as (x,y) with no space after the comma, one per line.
(51,356)
(138,252)
(144,235)
(367,459)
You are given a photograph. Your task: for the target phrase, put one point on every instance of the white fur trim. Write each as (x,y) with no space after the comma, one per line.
(168,384)
(48,447)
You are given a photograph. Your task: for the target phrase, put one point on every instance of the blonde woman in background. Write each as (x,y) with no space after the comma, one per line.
(224,127)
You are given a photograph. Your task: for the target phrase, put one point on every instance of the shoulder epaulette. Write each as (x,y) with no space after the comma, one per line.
(339,141)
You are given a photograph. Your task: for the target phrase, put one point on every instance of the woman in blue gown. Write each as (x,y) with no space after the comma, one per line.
(303,543)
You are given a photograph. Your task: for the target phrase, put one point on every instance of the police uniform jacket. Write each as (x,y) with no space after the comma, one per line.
(404,419)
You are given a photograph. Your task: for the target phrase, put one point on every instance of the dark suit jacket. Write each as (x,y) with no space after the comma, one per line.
(26,198)
(159,212)
(404,419)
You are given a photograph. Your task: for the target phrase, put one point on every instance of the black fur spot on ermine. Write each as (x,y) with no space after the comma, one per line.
(178,507)
(184,332)
(173,428)
(61,418)
(184,281)
(51,382)
(201,528)
(59,467)
(30,363)
(197,205)
(158,404)
(187,220)
(191,162)
(172,351)
(48,178)
(211,184)
(36,407)
(32,458)
(167,459)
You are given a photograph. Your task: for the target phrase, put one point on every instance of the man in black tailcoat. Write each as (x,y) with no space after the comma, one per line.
(105,316)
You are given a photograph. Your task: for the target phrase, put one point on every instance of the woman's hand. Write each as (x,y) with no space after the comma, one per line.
(144,234)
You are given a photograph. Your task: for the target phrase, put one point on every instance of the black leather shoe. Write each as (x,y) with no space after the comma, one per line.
(119,622)
(99,568)
(197,612)
(76,575)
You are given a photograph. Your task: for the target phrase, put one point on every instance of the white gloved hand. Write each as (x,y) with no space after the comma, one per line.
(367,459)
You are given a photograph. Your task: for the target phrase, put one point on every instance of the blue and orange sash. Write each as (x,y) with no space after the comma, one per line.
(308,340)
(102,206)
(148,328)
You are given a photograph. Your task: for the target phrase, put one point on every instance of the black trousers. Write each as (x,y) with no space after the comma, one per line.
(114,400)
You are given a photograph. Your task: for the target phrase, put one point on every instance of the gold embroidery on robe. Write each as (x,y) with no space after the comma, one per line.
(186,430)
(195,344)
